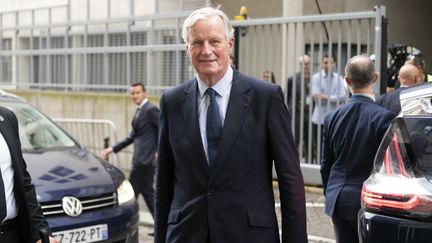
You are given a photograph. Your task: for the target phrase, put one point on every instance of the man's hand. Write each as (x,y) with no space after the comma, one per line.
(106,152)
(51,240)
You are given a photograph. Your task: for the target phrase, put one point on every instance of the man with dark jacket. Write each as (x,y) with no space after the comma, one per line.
(351,137)
(21,216)
(408,76)
(219,135)
(144,137)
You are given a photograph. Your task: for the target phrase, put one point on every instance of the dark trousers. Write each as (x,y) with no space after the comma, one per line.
(345,231)
(142,179)
(317,131)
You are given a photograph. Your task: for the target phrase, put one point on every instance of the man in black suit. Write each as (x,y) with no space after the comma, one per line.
(21,216)
(298,101)
(351,137)
(144,137)
(219,135)
(408,76)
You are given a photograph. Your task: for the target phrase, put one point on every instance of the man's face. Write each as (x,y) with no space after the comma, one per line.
(209,50)
(326,65)
(306,65)
(137,94)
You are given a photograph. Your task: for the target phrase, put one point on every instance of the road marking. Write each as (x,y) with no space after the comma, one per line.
(315,238)
(308,205)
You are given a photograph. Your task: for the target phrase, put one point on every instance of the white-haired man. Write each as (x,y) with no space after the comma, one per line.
(219,135)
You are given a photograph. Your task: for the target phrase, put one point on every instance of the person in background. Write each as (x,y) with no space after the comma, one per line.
(328,91)
(269,76)
(219,135)
(21,217)
(144,136)
(297,93)
(351,137)
(408,76)
(420,65)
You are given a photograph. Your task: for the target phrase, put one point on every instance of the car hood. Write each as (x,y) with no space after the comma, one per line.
(73,172)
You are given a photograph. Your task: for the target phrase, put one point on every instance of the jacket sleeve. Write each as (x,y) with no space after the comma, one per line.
(290,178)
(125,142)
(327,159)
(164,177)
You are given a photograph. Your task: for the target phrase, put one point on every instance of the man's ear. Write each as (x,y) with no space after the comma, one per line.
(187,50)
(348,80)
(375,77)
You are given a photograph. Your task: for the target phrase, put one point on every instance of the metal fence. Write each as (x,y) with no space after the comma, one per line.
(108,54)
(95,135)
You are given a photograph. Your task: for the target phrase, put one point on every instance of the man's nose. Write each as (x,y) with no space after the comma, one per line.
(207,48)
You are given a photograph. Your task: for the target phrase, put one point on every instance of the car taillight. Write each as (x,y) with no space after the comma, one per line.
(393,186)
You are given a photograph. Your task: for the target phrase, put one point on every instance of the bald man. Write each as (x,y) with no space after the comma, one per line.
(408,77)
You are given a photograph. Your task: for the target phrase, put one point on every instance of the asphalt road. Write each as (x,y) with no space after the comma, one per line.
(318,224)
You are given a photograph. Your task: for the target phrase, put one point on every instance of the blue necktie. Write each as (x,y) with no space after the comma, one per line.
(213,126)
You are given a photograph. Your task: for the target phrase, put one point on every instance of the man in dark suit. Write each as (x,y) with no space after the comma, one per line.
(144,137)
(351,137)
(21,216)
(408,77)
(299,105)
(219,134)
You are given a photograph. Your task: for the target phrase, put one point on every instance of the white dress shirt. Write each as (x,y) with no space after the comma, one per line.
(223,88)
(7,173)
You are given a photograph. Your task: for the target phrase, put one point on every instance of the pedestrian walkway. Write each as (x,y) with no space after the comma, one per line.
(319,226)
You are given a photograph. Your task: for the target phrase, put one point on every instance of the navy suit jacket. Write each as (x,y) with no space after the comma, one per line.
(30,216)
(351,137)
(233,202)
(144,136)
(391,100)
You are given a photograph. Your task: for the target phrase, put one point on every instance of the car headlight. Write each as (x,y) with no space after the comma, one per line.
(125,192)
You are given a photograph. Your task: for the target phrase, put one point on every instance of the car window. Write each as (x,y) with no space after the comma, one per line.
(37,132)
(420,134)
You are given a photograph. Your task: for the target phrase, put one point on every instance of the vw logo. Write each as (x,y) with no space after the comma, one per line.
(72,206)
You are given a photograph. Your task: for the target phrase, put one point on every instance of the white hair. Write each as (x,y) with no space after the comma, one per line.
(204,14)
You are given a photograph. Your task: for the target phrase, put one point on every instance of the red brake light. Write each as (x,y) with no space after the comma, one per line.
(389,160)
(393,187)
(395,201)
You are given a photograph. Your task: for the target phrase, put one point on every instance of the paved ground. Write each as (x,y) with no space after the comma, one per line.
(318,224)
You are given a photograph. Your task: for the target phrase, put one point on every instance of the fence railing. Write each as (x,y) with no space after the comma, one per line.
(109,54)
(95,135)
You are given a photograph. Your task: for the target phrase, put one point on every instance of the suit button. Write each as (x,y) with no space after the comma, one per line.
(210,192)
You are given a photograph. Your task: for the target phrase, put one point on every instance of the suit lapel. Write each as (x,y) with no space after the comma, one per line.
(238,107)
(189,108)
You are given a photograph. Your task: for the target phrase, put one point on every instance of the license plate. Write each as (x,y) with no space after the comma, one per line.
(83,235)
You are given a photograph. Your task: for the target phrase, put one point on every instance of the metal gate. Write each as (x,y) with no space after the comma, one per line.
(107,54)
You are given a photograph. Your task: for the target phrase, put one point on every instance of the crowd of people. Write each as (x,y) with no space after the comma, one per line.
(212,145)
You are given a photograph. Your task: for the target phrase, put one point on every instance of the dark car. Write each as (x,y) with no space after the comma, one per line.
(397,197)
(84,198)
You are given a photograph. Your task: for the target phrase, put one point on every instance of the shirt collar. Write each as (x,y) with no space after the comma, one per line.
(221,87)
(143,103)
(365,95)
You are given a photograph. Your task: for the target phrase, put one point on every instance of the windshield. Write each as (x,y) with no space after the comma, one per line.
(36,131)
